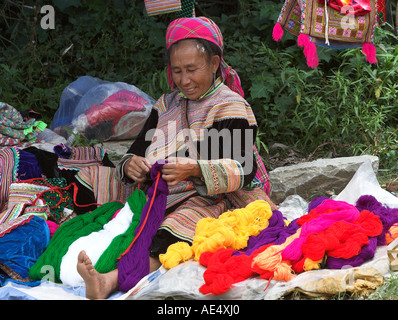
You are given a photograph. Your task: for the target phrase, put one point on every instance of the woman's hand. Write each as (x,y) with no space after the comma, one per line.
(137,168)
(180,169)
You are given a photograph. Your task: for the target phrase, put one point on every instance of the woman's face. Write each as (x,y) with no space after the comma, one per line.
(191,69)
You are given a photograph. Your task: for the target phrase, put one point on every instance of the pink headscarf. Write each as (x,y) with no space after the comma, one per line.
(202,28)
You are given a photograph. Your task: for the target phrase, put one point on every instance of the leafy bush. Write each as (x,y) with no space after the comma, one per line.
(346,105)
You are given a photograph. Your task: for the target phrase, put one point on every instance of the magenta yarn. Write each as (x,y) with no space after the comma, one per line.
(134,265)
(275,233)
(339,211)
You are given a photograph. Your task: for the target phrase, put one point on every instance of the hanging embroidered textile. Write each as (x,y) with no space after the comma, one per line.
(182,8)
(155,7)
(329,23)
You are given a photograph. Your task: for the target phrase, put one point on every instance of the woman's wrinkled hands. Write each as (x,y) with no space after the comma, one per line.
(179,169)
(137,168)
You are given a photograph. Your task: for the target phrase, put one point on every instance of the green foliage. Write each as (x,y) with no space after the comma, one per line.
(105,39)
(346,105)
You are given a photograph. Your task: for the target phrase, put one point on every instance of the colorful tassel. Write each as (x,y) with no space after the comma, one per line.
(309,50)
(369,50)
(277,33)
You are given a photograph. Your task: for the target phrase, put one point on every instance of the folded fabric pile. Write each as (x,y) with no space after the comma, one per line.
(333,234)
(15,130)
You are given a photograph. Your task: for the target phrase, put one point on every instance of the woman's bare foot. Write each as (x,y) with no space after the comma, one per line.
(98,285)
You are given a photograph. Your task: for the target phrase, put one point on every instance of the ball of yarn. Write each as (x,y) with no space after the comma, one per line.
(177,252)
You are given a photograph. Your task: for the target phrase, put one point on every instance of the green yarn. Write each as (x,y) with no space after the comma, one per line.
(49,263)
(108,260)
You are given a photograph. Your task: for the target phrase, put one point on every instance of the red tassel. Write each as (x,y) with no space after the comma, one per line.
(369,51)
(309,50)
(277,33)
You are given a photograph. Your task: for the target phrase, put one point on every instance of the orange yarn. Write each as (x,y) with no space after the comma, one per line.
(392,233)
(269,263)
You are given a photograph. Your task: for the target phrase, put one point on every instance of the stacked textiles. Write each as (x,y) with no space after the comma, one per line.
(38,194)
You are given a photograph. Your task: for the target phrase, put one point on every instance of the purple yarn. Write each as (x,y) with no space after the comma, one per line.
(316,202)
(62,150)
(275,233)
(134,265)
(28,167)
(367,253)
(388,216)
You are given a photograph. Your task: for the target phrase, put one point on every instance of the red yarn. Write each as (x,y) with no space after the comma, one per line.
(316,245)
(223,269)
(298,266)
(370,223)
(342,239)
(314,213)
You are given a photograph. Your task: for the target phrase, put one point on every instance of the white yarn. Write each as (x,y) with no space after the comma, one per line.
(94,244)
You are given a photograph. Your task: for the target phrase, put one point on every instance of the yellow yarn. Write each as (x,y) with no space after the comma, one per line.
(311,264)
(177,252)
(231,229)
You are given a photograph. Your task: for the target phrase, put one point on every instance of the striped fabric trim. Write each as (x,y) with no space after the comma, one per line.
(182,222)
(155,7)
(9,162)
(103,183)
(221,176)
(21,194)
(8,226)
(82,157)
(160,105)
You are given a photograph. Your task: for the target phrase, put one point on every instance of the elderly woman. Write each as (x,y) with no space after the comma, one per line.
(206,130)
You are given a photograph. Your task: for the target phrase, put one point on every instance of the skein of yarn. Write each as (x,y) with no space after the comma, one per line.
(231,229)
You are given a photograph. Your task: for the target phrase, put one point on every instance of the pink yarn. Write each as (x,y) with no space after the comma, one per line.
(309,50)
(277,32)
(370,52)
(52,226)
(302,40)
